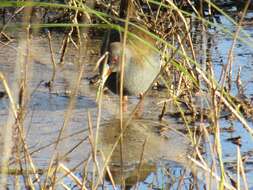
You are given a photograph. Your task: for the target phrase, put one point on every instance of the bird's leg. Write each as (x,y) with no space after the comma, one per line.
(124,103)
(140,108)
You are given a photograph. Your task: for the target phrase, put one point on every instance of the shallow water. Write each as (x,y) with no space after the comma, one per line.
(46,113)
(164,161)
(242,59)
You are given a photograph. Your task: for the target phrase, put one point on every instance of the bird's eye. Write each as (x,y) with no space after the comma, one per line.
(114,59)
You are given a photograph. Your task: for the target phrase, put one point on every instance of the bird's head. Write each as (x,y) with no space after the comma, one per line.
(115,54)
(115,57)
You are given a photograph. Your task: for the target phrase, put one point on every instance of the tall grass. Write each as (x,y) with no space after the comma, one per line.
(182,74)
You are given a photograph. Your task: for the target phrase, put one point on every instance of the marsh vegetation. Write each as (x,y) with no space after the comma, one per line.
(192,129)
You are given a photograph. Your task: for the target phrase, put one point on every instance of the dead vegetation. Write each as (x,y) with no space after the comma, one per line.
(185,37)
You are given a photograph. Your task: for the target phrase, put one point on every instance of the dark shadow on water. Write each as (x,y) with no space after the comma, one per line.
(52,101)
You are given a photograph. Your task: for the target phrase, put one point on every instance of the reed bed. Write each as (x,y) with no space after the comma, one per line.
(183,31)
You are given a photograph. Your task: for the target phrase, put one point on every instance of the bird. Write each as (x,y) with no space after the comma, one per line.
(142,60)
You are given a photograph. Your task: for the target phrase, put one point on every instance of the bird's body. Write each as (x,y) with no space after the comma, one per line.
(141,64)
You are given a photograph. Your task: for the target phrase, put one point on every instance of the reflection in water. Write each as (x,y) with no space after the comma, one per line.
(145,144)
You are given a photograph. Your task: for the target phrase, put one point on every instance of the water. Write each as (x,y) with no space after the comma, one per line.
(164,160)
(242,59)
(46,111)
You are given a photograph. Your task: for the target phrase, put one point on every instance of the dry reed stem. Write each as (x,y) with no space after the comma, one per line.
(5,44)
(215,92)
(193,8)
(65,186)
(238,184)
(180,180)
(53,176)
(212,154)
(71,175)
(58,180)
(185,55)
(122,67)
(7,130)
(91,134)
(207,169)
(103,77)
(217,135)
(85,170)
(163,111)
(230,53)
(185,121)
(64,46)
(93,149)
(52,56)
(241,170)
(5,36)
(81,48)
(225,101)
(25,62)
(15,13)
(48,174)
(72,101)
(102,58)
(75,89)
(72,149)
(52,143)
(140,163)
(18,124)
(110,177)
(109,172)
(99,110)
(9,94)
(107,160)
(186,27)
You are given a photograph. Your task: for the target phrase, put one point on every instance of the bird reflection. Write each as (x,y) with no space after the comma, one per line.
(144,146)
